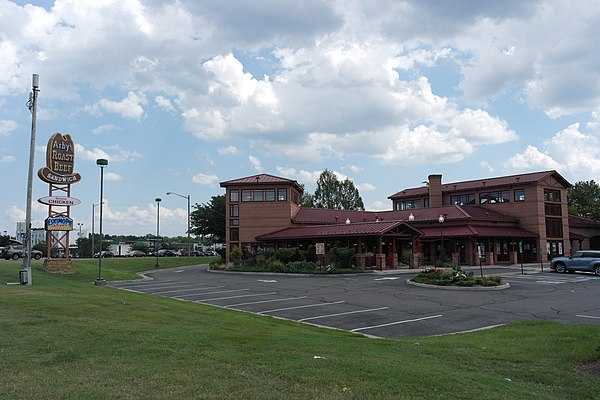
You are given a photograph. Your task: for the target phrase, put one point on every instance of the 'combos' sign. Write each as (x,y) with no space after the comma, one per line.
(60,161)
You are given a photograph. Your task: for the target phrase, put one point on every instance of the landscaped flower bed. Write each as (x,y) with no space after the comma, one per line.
(454,276)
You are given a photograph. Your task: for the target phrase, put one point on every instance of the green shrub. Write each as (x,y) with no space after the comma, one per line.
(236,254)
(305,267)
(342,257)
(454,276)
(275,266)
(288,254)
(260,260)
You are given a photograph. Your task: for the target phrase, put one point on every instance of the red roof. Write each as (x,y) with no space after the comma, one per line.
(260,179)
(581,222)
(475,231)
(325,216)
(336,230)
(528,178)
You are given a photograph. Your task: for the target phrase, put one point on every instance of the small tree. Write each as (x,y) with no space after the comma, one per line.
(335,195)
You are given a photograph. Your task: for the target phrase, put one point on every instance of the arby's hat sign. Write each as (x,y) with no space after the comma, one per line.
(60,161)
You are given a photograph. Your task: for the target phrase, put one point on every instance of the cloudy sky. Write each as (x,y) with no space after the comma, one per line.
(181,95)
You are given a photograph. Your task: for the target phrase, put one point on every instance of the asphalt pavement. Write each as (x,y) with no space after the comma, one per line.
(382,304)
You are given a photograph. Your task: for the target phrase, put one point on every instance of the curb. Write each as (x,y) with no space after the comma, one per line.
(473,288)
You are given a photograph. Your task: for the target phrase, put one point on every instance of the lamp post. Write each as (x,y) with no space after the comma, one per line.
(101,162)
(188,220)
(93,219)
(441,220)
(158,199)
(80,225)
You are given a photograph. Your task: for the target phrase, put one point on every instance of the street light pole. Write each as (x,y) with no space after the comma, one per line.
(188,220)
(101,162)
(441,220)
(93,232)
(158,199)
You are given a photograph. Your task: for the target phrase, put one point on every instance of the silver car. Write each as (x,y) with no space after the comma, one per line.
(583,260)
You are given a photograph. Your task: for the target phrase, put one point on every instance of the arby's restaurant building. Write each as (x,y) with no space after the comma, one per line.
(499,220)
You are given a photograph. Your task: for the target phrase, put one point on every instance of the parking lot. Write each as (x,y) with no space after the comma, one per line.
(383,305)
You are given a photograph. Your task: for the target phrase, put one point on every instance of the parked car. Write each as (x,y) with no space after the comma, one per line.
(193,253)
(15,251)
(105,254)
(166,253)
(136,253)
(583,260)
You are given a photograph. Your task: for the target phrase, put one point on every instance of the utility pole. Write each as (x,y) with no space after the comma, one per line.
(32,105)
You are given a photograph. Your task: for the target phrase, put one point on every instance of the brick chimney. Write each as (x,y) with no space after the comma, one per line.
(435,190)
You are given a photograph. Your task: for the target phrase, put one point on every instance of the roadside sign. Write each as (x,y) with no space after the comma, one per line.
(320,248)
(59,201)
(59,224)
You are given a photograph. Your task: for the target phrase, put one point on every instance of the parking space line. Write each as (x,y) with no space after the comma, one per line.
(235,297)
(587,316)
(344,313)
(294,308)
(136,284)
(220,291)
(191,288)
(267,301)
(395,323)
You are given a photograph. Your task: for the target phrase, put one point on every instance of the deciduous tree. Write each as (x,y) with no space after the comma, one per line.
(583,199)
(333,194)
(208,219)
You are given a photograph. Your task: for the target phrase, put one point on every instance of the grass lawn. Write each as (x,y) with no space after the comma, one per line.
(64,338)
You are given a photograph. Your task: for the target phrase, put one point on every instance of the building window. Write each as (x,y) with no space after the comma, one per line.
(234,210)
(234,195)
(269,194)
(258,195)
(463,199)
(282,194)
(246,195)
(519,194)
(234,234)
(494,197)
(234,222)
(408,204)
(554,228)
(553,209)
(552,195)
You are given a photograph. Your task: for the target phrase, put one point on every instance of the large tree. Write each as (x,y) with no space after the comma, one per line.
(209,219)
(584,199)
(335,194)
